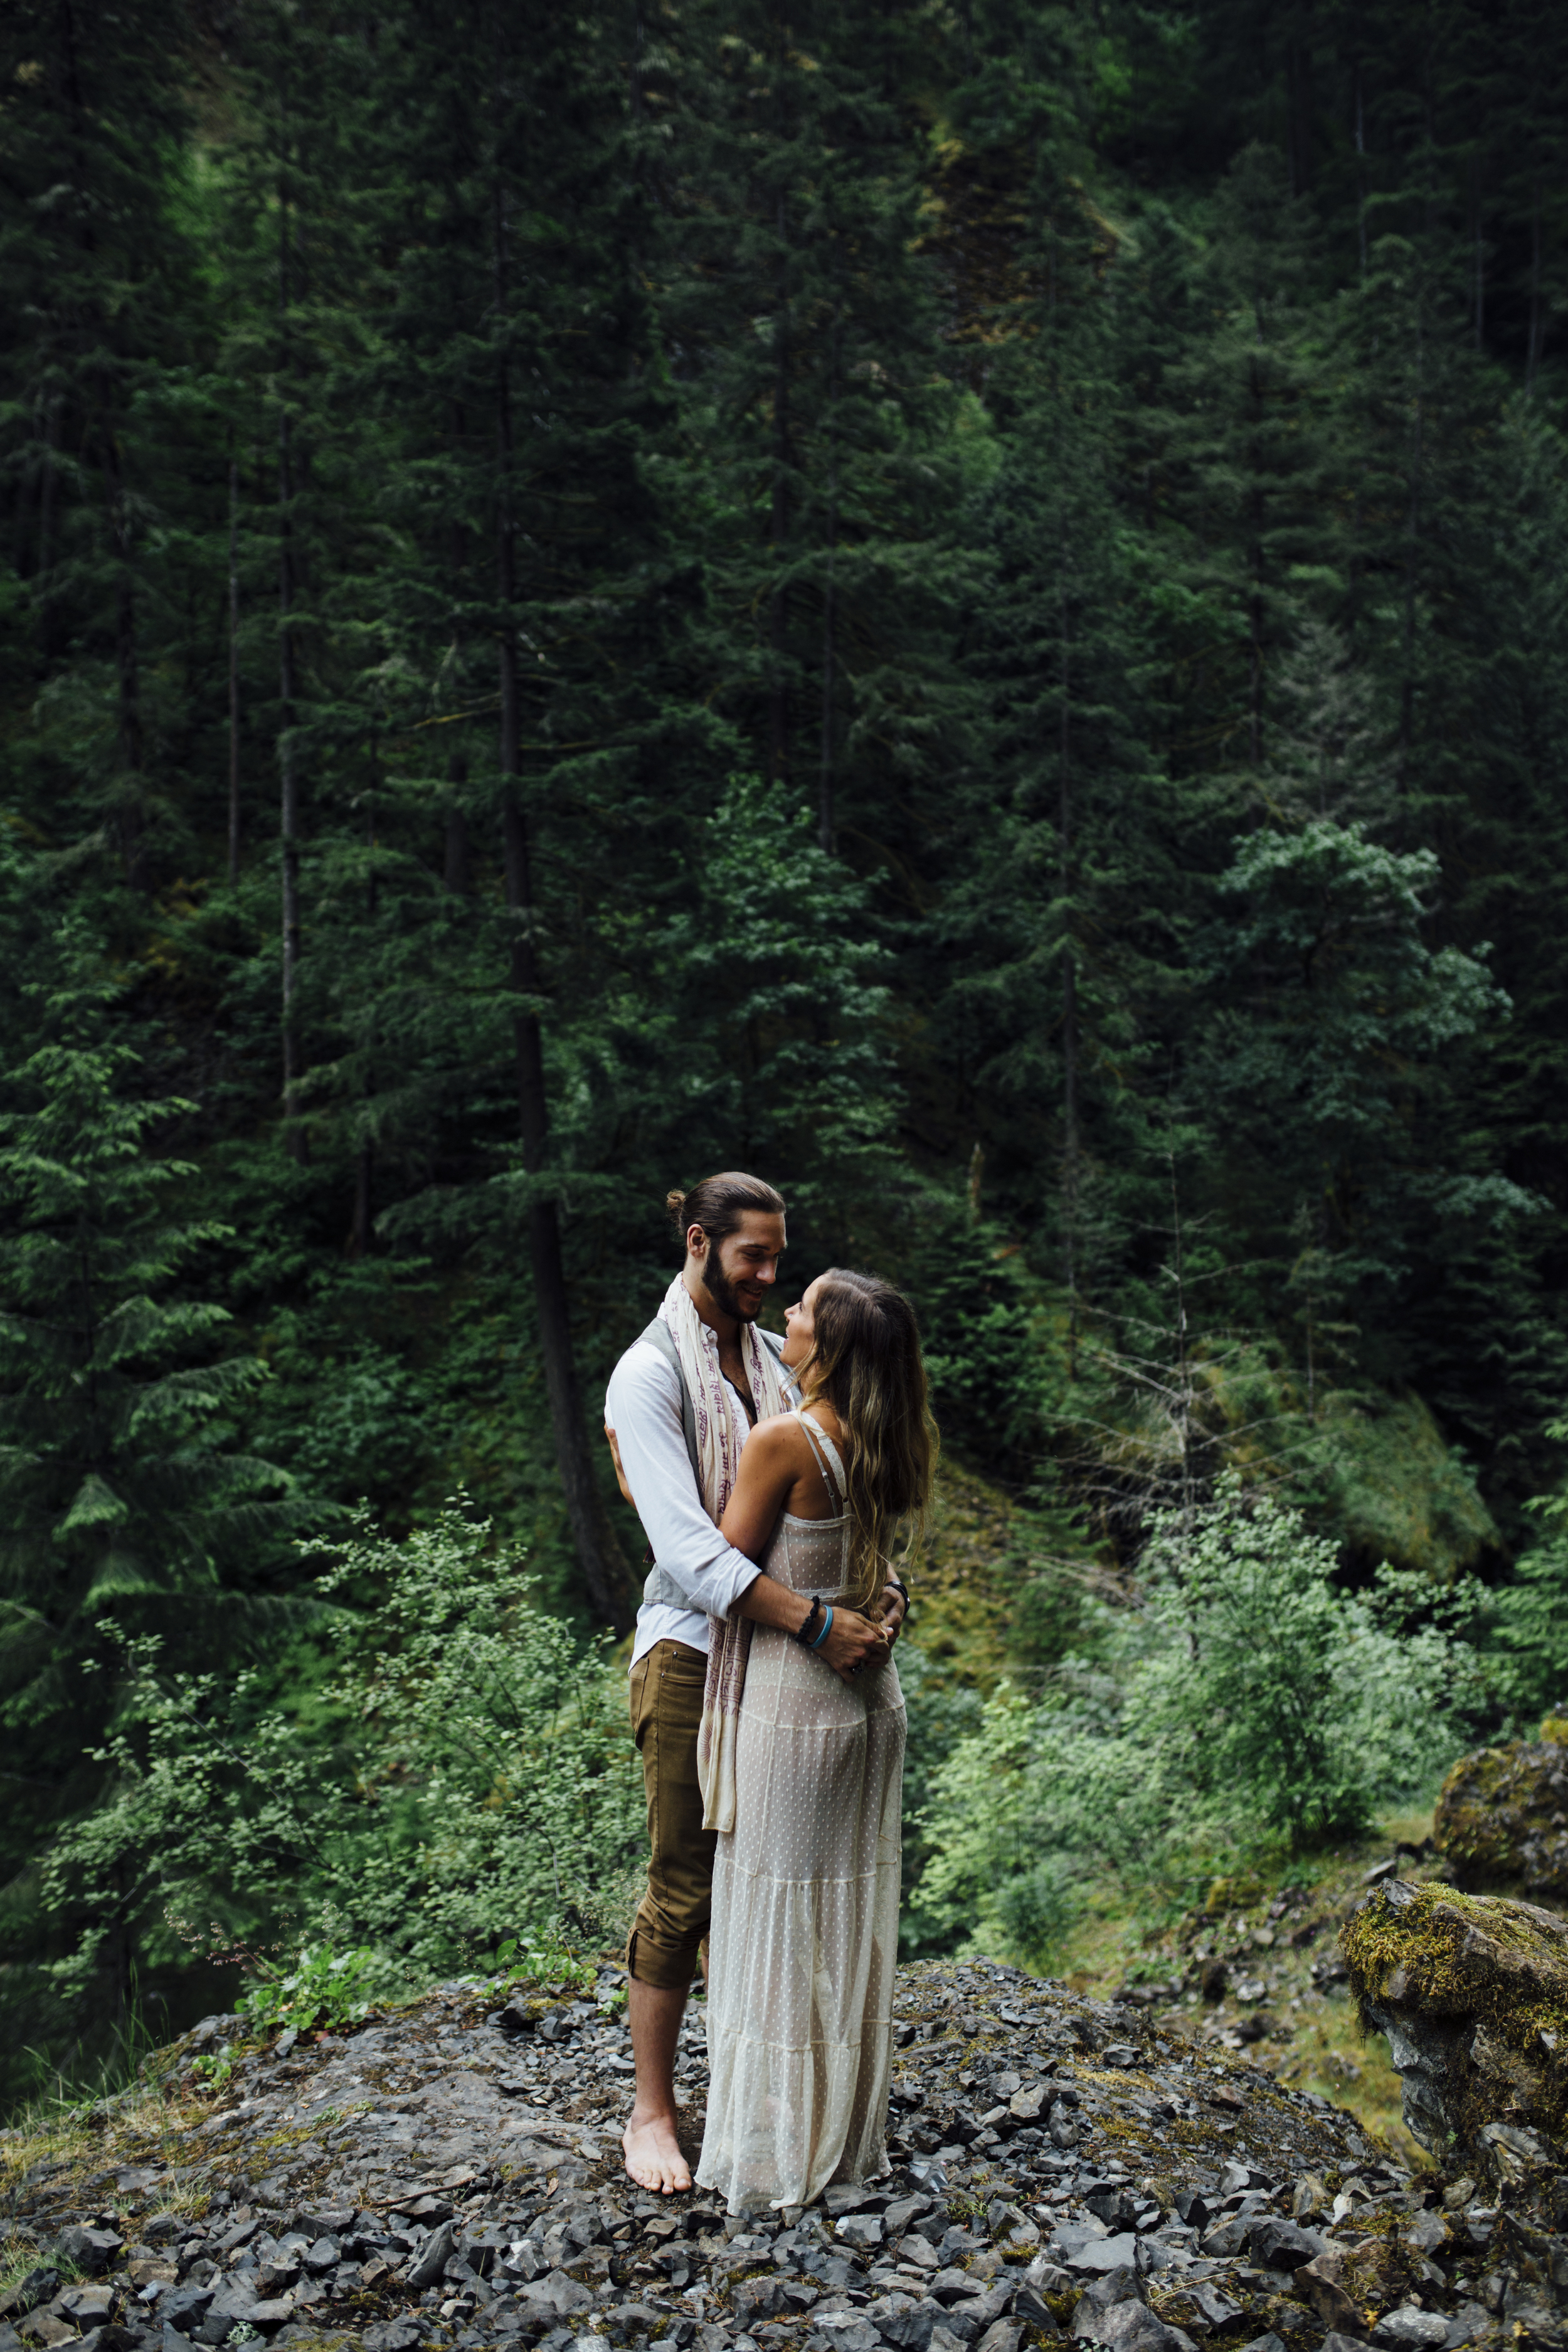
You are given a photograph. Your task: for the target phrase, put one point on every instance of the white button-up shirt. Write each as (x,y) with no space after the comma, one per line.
(642,1405)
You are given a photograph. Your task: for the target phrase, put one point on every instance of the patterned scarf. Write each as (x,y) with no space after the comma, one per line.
(721,1430)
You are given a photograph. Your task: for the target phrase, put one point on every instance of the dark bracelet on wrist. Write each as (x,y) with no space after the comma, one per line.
(805,1632)
(900,1586)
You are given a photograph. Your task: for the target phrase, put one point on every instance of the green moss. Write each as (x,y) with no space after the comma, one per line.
(1498,1811)
(1461,1955)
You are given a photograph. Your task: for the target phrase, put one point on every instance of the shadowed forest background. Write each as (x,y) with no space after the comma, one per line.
(962,607)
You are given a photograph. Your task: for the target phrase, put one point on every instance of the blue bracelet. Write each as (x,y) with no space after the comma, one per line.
(826,1628)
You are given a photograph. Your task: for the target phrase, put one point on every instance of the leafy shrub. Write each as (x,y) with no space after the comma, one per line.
(939,1713)
(477,1780)
(543,1960)
(322,1987)
(1247,1698)
(1530,1615)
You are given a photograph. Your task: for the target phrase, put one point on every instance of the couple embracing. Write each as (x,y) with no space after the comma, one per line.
(771,1478)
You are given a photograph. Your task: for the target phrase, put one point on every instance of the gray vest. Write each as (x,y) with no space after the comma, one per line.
(661,1585)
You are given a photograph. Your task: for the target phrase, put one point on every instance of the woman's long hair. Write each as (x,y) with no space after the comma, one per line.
(865,1362)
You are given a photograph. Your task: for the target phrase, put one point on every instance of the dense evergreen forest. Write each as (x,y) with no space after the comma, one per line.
(962,605)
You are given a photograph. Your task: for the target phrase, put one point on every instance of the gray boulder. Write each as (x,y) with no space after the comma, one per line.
(1468,1989)
(1410,2330)
(433,2257)
(1117,2286)
(92,2251)
(1501,1814)
(1131,2326)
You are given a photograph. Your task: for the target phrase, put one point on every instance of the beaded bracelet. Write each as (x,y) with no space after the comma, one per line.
(803,1630)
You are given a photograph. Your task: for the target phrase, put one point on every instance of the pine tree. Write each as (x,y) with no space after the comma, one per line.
(99,298)
(1245,458)
(120,1493)
(532,582)
(1064,921)
(803,325)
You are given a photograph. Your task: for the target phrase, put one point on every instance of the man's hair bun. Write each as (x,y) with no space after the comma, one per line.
(718,1204)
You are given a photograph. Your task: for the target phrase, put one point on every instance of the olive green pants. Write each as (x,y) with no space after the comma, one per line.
(672,1917)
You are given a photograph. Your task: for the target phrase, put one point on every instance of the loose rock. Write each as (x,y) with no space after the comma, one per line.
(1472,1992)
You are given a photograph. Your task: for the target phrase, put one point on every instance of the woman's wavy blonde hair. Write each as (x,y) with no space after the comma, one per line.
(866,1362)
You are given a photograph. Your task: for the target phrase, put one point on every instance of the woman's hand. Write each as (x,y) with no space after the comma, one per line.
(893,1608)
(620,1473)
(853,1644)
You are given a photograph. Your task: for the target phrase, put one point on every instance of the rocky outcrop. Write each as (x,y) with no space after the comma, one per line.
(1472,1993)
(447,2177)
(1503,1814)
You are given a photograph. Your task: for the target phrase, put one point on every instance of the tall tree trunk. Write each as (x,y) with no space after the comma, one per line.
(288,761)
(364,1198)
(48,491)
(364,1158)
(826,814)
(234,670)
(129,733)
(1298,101)
(1411,543)
(1254,557)
(458,873)
(778,607)
(1069,983)
(1537,296)
(599,1554)
(1359,169)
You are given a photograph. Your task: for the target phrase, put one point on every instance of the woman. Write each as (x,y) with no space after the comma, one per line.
(803,1768)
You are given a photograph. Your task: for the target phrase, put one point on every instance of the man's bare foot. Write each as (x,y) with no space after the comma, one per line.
(653,2154)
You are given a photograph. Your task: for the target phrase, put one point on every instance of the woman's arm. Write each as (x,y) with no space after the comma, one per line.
(767,1472)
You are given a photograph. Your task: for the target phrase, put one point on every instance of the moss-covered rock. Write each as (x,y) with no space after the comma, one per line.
(1503,1813)
(1472,1992)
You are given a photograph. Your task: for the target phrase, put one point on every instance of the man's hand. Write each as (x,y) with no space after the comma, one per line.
(893,1608)
(853,1644)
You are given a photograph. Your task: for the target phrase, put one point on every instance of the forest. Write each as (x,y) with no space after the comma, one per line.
(959,603)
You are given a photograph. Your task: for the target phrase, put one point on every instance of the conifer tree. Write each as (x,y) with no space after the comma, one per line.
(813,410)
(97,300)
(120,1492)
(1245,457)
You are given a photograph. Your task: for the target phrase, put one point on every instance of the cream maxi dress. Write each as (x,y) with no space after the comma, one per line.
(806,1903)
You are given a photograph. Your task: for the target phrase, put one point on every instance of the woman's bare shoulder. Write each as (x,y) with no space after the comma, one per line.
(779,1430)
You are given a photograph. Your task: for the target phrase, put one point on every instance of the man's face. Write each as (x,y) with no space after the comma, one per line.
(739,1271)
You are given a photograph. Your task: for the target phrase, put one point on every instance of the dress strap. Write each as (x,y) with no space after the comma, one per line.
(827,1457)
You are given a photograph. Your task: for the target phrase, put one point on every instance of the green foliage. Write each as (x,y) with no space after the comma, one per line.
(126,1510)
(1529,1626)
(962,607)
(977,1316)
(320,1987)
(940,1715)
(1246,1699)
(478,1780)
(544,1960)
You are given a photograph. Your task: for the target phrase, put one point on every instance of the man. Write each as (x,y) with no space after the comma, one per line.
(733,1230)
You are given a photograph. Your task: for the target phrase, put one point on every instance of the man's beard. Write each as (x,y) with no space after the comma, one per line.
(723,1291)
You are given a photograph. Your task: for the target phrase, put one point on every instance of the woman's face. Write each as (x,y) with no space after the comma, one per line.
(799,1329)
